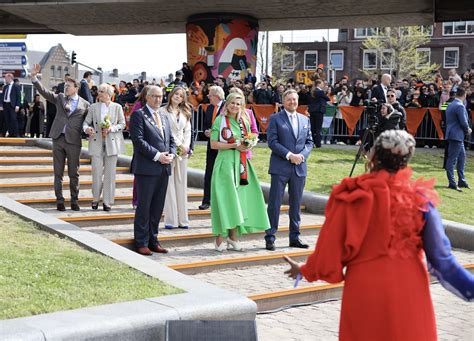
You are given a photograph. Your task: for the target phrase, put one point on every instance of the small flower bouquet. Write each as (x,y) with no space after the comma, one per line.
(105,125)
(250,140)
(180,151)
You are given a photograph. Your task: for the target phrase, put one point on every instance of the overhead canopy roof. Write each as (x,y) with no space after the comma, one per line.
(113,17)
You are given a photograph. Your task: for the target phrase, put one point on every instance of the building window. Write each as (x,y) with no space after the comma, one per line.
(458,28)
(60,72)
(337,59)
(370,59)
(409,30)
(288,61)
(386,59)
(310,60)
(66,70)
(451,57)
(423,58)
(365,32)
(53,71)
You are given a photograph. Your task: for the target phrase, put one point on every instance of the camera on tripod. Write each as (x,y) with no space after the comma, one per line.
(372,109)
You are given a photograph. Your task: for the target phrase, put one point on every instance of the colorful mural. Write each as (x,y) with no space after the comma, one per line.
(221,45)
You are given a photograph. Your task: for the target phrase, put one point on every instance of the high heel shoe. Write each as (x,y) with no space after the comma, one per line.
(219,248)
(234,245)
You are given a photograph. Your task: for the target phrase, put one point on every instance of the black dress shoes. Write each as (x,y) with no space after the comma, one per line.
(204,206)
(463,185)
(270,246)
(456,188)
(298,243)
(61,207)
(95,205)
(106,207)
(75,206)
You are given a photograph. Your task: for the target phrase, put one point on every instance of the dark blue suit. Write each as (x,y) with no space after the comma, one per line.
(151,176)
(317,108)
(9,113)
(282,140)
(85,92)
(456,127)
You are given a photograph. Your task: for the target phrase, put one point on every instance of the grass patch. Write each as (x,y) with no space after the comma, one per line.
(329,165)
(43,273)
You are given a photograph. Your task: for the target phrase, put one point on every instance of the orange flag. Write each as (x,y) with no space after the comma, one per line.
(351,116)
(262,113)
(436,116)
(414,118)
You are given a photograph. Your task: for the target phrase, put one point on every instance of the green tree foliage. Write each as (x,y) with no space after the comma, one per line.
(397,50)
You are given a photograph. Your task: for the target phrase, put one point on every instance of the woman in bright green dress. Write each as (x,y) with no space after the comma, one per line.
(237,203)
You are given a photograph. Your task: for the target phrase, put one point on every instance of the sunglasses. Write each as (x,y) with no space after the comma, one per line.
(390,95)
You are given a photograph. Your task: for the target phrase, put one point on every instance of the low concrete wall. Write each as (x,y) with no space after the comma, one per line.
(138,320)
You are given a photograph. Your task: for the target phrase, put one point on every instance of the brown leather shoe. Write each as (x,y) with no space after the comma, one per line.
(144,251)
(158,249)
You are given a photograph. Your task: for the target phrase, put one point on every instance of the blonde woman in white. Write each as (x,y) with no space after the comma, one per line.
(104,124)
(179,113)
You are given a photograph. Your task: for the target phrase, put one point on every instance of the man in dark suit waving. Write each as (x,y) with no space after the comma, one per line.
(153,151)
(379,93)
(289,138)
(11,104)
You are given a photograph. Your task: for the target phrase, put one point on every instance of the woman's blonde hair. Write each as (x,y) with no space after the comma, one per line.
(239,97)
(184,106)
(107,88)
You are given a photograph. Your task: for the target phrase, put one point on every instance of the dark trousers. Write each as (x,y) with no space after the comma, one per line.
(10,120)
(456,156)
(151,192)
(316,119)
(275,199)
(62,151)
(3,124)
(211,155)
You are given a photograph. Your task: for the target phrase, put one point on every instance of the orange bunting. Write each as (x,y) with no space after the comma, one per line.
(262,113)
(436,116)
(351,115)
(414,118)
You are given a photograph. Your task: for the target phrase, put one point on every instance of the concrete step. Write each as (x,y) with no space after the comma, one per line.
(33,161)
(49,186)
(13,172)
(25,152)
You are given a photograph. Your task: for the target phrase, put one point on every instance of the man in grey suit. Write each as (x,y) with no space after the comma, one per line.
(66,133)
(289,138)
(457,127)
(153,151)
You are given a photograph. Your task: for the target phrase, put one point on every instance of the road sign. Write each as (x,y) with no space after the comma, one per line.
(16,73)
(12,47)
(12,59)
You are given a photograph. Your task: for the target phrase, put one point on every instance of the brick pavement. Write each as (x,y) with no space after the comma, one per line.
(320,322)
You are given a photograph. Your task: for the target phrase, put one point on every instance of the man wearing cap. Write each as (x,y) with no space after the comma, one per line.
(178,81)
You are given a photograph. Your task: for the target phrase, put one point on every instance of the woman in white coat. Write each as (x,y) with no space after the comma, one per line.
(104,124)
(179,113)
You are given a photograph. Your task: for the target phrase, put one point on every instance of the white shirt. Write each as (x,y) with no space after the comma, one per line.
(293,118)
(7,94)
(385,89)
(157,156)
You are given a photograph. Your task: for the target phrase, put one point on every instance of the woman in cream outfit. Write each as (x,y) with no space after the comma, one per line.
(104,151)
(179,112)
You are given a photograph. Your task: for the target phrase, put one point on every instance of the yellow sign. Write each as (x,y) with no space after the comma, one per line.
(305,76)
(12,36)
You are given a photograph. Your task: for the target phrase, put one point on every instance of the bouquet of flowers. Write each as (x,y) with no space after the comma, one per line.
(250,140)
(105,125)
(180,151)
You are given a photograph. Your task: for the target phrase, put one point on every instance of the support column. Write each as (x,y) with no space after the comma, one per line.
(221,44)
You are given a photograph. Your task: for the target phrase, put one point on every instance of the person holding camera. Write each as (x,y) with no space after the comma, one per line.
(392,100)
(388,119)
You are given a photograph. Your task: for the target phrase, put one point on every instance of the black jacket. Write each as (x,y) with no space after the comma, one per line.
(317,102)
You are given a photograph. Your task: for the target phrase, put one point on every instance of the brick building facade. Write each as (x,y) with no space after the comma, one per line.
(451,46)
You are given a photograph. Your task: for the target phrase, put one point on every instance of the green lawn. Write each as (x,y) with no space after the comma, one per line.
(42,273)
(330,164)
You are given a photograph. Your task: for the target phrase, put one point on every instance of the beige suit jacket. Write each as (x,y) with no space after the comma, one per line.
(114,143)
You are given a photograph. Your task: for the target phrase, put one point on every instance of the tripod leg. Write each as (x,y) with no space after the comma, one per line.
(361,148)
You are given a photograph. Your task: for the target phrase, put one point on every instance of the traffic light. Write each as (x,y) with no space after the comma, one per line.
(73,58)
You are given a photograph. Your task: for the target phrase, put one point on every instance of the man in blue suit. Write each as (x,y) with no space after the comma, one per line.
(456,128)
(153,151)
(10,102)
(289,138)
(84,90)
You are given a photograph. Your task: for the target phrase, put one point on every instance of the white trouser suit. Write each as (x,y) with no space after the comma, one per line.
(176,203)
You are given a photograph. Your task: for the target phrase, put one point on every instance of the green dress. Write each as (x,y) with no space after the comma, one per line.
(234,205)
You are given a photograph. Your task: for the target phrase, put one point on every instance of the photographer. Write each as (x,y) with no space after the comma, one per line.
(392,100)
(388,119)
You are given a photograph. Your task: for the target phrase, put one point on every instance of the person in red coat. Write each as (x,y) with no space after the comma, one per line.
(377,226)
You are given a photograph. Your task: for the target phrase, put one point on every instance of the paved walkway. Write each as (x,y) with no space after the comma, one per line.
(454,319)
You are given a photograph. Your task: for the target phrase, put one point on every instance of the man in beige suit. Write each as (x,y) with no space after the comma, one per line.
(66,133)
(104,125)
